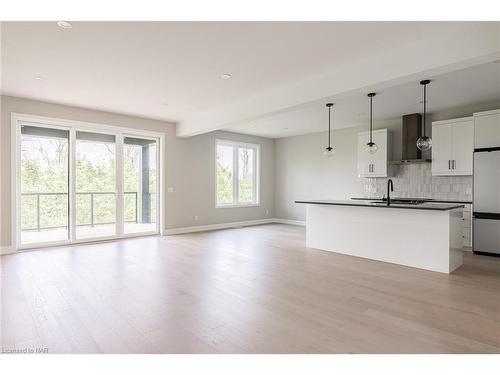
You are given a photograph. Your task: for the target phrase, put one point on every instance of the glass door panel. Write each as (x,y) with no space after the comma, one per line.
(44,177)
(140,179)
(95,185)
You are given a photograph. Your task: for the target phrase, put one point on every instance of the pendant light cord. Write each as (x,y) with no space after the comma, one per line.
(424,83)
(371,95)
(371,118)
(329,136)
(329,105)
(425,104)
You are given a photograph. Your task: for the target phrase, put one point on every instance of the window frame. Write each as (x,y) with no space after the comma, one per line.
(19,119)
(256,178)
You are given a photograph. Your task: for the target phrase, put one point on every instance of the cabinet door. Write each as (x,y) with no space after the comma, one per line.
(487,130)
(462,148)
(365,160)
(441,150)
(379,159)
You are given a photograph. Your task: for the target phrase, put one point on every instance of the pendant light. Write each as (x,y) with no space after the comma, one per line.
(371,147)
(329,150)
(424,143)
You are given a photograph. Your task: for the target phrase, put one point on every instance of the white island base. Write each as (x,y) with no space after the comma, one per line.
(427,239)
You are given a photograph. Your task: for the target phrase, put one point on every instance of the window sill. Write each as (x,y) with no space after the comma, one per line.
(238,205)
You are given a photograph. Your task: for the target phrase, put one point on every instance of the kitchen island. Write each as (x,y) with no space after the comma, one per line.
(427,235)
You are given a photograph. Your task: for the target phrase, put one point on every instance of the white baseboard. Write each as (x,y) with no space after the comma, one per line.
(4,250)
(290,222)
(237,224)
(204,228)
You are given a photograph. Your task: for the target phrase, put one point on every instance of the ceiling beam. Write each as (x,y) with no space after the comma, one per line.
(426,56)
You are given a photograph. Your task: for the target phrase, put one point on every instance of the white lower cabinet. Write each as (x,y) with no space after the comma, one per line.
(467,226)
(374,165)
(452,147)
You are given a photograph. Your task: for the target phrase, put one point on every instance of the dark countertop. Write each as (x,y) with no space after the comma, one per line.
(416,199)
(361,203)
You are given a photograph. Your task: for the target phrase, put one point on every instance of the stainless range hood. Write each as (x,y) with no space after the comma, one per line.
(411,131)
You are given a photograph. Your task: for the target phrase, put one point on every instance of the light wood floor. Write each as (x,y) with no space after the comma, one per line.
(249,290)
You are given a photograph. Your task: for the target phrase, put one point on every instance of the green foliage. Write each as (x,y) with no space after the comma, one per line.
(44,172)
(224,183)
(44,169)
(246,188)
(245,178)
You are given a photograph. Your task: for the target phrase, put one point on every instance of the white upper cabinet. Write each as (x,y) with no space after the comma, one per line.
(487,129)
(441,150)
(452,147)
(373,165)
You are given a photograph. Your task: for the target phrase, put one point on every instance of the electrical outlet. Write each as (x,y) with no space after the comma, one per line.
(267,212)
(196,218)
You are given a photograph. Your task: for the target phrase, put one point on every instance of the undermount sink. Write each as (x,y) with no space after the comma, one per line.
(399,201)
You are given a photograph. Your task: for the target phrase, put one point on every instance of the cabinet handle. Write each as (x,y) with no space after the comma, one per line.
(454,164)
(449,164)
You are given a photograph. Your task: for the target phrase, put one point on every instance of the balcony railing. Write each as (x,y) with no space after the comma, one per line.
(92,216)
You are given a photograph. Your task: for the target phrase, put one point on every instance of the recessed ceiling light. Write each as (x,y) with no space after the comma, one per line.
(226,75)
(64,25)
(38,78)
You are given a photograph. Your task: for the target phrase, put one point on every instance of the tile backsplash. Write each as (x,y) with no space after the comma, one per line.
(416,181)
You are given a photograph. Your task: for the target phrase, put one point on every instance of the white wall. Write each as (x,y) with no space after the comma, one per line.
(189,166)
(302,172)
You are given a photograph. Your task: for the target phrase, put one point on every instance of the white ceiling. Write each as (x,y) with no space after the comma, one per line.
(479,84)
(171,70)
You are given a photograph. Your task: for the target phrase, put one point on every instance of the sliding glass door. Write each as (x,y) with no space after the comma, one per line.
(76,184)
(95,181)
(140,185)
(44,181)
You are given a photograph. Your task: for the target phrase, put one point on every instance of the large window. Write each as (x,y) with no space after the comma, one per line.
(78,182)
(237,174)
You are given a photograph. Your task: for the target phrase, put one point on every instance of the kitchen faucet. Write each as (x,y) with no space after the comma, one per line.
(389,183)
